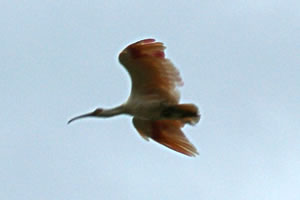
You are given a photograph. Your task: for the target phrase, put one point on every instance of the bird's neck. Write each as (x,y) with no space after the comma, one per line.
(112,112)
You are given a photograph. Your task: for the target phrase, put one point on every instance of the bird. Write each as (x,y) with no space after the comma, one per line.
(154,98)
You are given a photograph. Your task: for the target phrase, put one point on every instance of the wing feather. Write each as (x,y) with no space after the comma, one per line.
(166,132)
(152,75)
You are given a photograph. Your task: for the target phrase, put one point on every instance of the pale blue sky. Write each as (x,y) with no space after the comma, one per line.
(240,63)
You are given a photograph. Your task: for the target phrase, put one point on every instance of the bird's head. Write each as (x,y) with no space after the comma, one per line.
(95,113)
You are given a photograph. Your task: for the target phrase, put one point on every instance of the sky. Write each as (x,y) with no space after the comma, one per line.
(240,64)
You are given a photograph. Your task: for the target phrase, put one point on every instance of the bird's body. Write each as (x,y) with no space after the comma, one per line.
(154,99)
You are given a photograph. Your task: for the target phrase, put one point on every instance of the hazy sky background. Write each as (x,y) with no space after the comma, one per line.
(240,61)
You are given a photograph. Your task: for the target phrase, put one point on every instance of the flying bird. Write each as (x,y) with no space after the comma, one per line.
(154,99)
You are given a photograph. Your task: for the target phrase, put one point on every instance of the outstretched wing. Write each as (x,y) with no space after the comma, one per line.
(152,75)
(165,132)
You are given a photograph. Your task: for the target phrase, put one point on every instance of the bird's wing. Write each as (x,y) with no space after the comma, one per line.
(152,75)
(165,132)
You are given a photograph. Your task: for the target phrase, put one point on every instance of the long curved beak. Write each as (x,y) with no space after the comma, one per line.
(91,114)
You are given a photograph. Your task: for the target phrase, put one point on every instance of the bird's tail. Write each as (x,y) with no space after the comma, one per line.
(187,113)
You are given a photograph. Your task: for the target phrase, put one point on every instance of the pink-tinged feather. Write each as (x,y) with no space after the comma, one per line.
(167,133)
(159,54)
(146,41)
